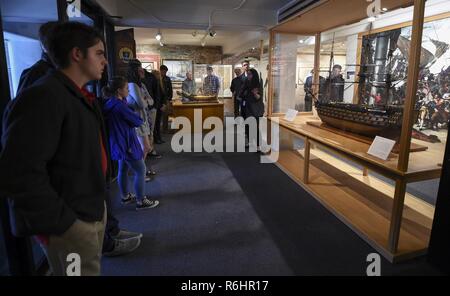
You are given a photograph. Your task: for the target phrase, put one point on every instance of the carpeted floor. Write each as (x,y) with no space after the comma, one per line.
(227,214)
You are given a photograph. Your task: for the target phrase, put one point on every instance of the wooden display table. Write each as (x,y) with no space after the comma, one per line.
(394,222)
(208,110)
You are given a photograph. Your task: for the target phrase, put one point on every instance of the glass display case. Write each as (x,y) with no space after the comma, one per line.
(372,77)
(224,72)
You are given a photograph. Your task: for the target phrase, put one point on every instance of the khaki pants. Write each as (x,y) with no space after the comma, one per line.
(82,238)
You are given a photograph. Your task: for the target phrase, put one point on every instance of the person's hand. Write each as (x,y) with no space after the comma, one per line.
(255,92)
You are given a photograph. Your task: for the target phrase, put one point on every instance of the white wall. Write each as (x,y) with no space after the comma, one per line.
(286,64)
(352,49)
(23,53)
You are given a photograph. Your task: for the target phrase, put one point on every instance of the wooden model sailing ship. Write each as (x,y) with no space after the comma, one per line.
(368,121)
(381,112)
(192,99)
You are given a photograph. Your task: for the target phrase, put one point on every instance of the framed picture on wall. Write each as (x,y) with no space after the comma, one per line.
(178,69)
(149,61)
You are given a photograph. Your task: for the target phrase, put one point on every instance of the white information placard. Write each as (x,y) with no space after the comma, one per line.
(290,115)
(381,147)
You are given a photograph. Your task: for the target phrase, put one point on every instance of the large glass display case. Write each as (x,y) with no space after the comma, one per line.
(372,77)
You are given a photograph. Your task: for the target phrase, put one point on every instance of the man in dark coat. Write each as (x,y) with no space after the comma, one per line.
(335,85)
(41,67)
(56,180)
(236,85)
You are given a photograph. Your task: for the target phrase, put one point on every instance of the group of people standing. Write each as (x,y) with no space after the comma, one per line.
(247,91)
(59,140)
(210,87)
(330,89)
(133,110)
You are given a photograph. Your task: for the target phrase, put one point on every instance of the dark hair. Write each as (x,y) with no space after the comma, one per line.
(132,72)
(246,61)
(45,33)
(209,68)
(66,36)
(337,66)
(254,83)
(116,83)
(163,68)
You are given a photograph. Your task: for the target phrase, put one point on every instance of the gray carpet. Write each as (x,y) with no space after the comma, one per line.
(204,225)
(227,214)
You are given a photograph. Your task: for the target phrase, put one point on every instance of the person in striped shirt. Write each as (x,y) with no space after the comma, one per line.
(211,83)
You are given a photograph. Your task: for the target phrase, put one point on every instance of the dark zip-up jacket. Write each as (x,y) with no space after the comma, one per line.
(51,161)
(35,72)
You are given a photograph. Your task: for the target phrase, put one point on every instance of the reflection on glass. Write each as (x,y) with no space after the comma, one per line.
(223,72)
(178,69)
(384,66)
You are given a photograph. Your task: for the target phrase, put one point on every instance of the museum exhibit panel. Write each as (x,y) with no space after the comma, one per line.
(371,150)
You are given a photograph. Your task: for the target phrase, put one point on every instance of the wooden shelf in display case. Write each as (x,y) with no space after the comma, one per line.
(334,169)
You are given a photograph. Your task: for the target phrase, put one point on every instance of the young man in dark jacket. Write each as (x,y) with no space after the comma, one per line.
(54,165)
(160,115)
(117,241)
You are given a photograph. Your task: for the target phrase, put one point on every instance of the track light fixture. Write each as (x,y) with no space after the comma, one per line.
(158,36)
(212,33)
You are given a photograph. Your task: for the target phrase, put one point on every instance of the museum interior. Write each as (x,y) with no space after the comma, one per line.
(350,164)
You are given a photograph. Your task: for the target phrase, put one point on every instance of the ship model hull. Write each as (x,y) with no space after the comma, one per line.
(363,120)
(198,98)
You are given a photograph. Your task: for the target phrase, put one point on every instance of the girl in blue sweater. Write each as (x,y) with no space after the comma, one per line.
(125,148)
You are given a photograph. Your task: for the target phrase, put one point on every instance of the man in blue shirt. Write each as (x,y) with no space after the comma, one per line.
(211,84)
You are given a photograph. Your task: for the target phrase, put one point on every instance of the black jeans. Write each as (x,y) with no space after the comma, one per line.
(247,132)
(237,107)
(308,104)
(157,128)
(112,224)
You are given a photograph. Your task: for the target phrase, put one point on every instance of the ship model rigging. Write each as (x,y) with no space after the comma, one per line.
(381,88)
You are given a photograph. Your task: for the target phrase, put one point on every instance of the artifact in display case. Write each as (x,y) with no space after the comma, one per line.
(194,98)
(382,86)
(394,84)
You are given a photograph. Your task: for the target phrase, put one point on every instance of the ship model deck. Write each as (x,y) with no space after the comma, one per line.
(364,120)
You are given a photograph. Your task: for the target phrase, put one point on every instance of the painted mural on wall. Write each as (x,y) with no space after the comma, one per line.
(384,68)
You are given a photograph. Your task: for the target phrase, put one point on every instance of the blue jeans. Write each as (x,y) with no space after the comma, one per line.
(138,167)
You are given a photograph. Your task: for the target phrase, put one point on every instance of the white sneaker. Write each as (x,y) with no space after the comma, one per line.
(146,204)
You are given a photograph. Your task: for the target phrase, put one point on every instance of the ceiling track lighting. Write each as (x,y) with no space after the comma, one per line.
(158,36)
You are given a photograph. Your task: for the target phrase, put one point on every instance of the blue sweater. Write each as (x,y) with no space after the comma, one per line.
(121,122)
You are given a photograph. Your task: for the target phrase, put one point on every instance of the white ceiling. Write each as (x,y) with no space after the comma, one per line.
(195,14)
(231,41)
(237,29)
